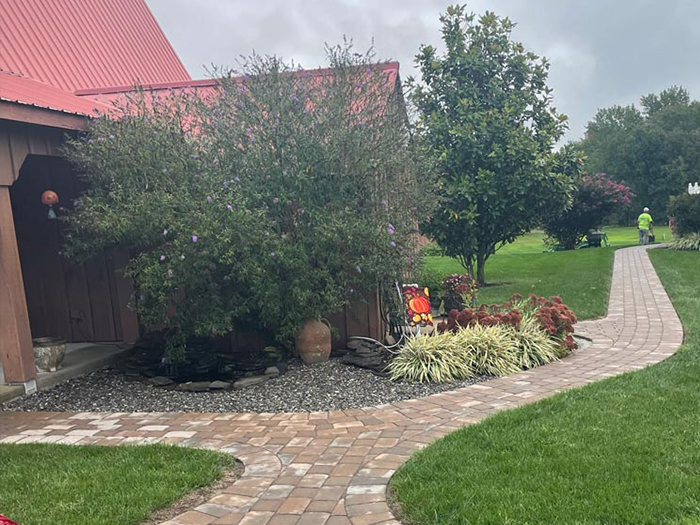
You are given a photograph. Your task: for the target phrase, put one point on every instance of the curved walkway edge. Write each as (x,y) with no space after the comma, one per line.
(333,468)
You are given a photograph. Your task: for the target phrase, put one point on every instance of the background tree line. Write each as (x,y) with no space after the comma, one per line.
(654,148)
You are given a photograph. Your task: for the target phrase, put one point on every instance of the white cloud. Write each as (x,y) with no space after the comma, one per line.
(601,52)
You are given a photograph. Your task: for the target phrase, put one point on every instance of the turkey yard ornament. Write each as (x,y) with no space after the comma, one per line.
(50,198)
(417,301)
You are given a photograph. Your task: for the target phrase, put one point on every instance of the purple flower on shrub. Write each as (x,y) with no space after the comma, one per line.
(385,203)
(209,199)
(165,232)
(165,170)
(229,207)
(358,269)
(162,257)
(273,254)
(236,180)
(182,257)
(194,238)
(393,244)
(391,229)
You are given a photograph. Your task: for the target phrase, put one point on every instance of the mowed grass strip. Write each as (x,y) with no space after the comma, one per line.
(623,451)
(48,484)
(580,277)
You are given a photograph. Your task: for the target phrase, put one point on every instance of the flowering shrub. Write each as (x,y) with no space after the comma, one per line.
(460,286)
(594,198)
(553,316)
(282,196)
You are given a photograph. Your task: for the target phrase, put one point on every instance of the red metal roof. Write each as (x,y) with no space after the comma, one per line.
(117,94)
(80,44)
(22,90)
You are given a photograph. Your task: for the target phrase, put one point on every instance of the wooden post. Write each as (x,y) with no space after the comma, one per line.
(16,349)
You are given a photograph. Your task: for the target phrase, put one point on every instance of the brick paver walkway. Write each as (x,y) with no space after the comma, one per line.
(332,468)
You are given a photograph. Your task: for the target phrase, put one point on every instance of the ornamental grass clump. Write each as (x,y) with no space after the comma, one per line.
(686,242)
(489,350)
(493,340)
(534,346)
(433,358)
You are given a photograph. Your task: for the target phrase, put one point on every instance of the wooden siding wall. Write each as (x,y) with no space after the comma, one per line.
(17,140)
(361,318)
(81,303)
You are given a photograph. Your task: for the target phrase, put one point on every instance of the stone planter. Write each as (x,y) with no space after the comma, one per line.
(49,353)
(313,342)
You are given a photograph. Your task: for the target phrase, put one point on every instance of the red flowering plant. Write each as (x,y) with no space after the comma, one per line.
(555,318)
(460,289)
(595,197)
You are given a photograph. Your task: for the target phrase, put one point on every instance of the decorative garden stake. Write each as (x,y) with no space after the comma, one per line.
(50,197)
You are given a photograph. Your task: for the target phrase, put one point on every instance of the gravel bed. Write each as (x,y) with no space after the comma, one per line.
(328,386)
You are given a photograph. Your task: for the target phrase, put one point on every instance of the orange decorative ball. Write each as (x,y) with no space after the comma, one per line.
(49,197)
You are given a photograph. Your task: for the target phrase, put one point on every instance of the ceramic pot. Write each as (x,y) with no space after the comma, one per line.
(313,342)
(49,353)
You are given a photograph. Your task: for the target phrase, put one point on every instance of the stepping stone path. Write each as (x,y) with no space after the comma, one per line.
(333,468)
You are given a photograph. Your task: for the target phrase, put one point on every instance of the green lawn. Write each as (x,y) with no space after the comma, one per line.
(43,484)
(624,451)
(580,277)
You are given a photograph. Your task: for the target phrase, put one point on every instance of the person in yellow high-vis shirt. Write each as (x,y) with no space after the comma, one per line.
(645,224)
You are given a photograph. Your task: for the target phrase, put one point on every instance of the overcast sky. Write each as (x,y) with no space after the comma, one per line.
(602,52)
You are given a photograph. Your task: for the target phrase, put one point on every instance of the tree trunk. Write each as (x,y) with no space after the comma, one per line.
(469,266)
(480,267)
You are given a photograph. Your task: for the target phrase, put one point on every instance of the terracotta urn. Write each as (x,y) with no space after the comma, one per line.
(313,342)
(49,353)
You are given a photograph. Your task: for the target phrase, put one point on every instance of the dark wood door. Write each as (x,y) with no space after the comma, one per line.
(78,302)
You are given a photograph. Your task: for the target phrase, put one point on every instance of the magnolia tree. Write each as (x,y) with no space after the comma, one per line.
(278,197)
(485,109)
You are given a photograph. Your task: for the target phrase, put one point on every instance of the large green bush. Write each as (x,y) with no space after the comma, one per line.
(281,196)
(685,210)
(595,197)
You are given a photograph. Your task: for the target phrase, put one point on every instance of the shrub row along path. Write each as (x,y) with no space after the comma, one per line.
(333,468)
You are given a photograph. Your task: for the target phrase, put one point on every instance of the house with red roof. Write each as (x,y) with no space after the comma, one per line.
(62,63)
